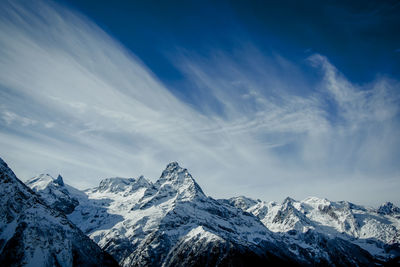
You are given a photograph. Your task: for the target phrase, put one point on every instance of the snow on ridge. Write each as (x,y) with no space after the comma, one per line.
(53,192)
(200,233)
(40,182)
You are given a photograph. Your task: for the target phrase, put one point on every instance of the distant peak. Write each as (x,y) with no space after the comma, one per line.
(59,180)
(387,204)
(388,208)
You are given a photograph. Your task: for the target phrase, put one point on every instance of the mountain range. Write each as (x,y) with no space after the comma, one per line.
(172,222)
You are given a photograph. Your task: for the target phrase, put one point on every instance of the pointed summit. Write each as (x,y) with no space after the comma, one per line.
(177,179)
(288,201)
(170,169)
(174,172)
(59,180)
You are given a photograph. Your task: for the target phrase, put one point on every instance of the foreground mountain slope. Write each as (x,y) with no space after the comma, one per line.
(173,223)
(33,234)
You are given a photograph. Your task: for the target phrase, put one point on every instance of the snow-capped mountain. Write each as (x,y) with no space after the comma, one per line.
(375,230)
(173,223)
(33,234)
(54,192)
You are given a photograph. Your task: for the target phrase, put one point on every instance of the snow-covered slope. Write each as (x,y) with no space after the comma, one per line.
(33,234)
(54,192)
(173,223)
(375,230)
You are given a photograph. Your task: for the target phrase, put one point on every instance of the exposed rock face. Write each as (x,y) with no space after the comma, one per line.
(34,234)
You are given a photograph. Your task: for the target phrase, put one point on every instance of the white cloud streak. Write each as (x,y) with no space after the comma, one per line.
(74,101)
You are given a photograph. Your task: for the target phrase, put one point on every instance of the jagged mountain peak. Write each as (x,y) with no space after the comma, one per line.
(388,208)
(173,172)
(177,179)
(174,165)
(59,180)
(289,216)
(53,192)
(288,201)
(43,180)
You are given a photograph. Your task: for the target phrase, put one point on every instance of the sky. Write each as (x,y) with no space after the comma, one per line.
(266,99)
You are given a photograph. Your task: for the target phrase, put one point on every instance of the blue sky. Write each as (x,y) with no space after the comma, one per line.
(359,38)
(264,99)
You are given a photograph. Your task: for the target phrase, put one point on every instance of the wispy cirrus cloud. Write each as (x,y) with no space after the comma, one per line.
(75,101)
(334,131)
